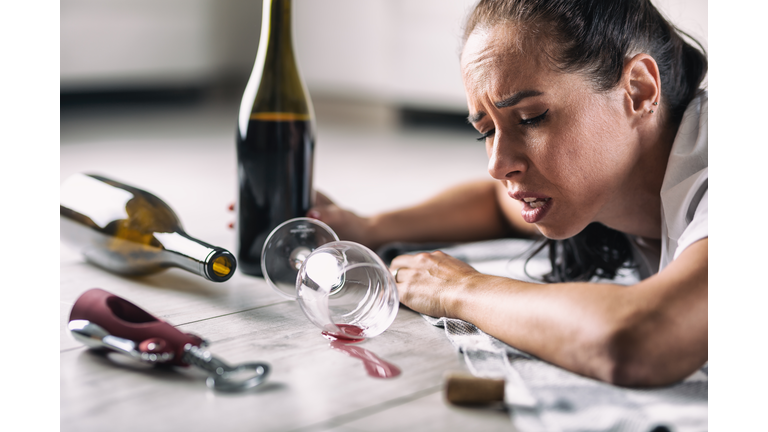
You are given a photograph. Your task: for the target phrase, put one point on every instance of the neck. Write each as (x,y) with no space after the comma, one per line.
(639,202)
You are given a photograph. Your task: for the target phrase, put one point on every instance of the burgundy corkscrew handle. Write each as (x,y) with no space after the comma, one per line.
(123,319)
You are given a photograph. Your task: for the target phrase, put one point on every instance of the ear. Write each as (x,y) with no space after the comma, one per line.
(642,83)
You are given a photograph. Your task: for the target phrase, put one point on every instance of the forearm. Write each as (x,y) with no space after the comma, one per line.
(568,324)
(466,212)
(651,333)
(613,333)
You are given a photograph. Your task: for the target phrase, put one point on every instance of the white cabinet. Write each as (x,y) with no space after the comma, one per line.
(403,52)
(389,51)
(120,44)
(406,52)
(395,52)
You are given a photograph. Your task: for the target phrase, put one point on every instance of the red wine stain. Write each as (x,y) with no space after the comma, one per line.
(375,366)
(349,334)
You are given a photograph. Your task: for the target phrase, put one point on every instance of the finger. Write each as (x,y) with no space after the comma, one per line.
(403,261)
(414,260)
(321,199)
(394,272)
(399,273)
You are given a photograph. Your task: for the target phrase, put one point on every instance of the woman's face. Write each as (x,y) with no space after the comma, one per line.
(563,150)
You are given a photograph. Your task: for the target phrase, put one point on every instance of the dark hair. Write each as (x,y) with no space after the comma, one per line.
(594,38)
(596,251)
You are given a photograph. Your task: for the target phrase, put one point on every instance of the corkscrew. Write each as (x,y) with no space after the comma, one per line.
(101,320)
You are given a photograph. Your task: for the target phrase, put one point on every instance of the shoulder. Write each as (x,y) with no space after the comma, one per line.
(684,193)
(689,153)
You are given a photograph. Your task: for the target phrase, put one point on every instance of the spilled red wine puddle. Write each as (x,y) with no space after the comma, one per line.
(375,366)
(350,334)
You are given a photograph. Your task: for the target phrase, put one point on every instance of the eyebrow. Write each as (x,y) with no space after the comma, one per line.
(513,100)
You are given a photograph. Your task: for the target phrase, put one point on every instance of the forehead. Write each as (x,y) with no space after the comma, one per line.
(497,58)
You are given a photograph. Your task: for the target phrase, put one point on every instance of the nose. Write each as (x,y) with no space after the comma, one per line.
(504,160)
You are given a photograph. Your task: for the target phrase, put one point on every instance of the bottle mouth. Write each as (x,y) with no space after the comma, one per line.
(220,266)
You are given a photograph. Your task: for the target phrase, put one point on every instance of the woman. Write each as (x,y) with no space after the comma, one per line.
(595,131)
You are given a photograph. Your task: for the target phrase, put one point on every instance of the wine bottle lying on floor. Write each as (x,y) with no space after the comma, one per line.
(129,231)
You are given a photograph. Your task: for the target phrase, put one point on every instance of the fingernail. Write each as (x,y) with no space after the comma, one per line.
(314,214)
(231,224)
(231,207)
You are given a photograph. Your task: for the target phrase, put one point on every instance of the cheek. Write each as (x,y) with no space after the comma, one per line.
(580,158)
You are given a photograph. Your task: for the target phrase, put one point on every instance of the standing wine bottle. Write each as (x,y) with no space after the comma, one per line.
(275,140)
(130,231)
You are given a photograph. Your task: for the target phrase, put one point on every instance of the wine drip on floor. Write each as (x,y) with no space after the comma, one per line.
(374,366)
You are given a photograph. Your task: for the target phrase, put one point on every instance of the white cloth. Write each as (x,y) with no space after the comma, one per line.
(684,192)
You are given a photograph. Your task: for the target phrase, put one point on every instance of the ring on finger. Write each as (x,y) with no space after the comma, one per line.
(395,272)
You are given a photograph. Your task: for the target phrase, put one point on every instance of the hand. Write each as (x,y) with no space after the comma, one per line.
(429,282)
(346,224)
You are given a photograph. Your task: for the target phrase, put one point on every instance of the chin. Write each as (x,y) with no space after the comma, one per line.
(559,232)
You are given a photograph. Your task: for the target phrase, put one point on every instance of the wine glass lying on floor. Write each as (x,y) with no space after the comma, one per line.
(343,287)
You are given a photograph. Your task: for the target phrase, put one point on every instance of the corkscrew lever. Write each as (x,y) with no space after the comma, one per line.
(102,320)
(96,337)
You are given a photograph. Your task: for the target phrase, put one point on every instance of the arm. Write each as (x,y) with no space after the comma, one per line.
(652,333)
(467,212)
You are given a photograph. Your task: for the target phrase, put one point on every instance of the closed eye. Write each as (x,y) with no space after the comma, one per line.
(535,120)
(523,122)
(486,135)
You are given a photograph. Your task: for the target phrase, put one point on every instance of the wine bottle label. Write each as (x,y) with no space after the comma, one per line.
(279,116)
(99,201)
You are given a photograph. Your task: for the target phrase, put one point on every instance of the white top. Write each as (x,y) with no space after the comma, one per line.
(684,204)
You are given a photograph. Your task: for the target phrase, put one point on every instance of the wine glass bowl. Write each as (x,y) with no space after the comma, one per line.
(346,290)
(343,287)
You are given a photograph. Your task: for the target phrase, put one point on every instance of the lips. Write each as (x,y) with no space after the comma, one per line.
(535,206)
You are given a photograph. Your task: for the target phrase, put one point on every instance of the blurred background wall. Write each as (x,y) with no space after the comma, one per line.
(401,53)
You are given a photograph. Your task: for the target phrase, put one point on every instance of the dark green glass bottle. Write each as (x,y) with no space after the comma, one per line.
(275,140)
(129,231)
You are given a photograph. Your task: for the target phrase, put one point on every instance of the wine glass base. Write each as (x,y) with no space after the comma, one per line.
(286,248)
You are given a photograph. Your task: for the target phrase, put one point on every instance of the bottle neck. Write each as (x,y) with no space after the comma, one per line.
(275,90)
(276,28)
(211,262)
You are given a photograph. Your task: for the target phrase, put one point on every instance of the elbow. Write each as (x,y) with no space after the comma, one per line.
(629,361)
(632,373)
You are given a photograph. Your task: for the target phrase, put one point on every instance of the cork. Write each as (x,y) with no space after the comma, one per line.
(465,389)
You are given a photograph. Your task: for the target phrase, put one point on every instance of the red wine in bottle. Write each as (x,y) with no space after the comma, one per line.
(275,140)
(130,231)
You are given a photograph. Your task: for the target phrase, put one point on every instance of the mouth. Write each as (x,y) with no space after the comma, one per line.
(535,202)
(535,206)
